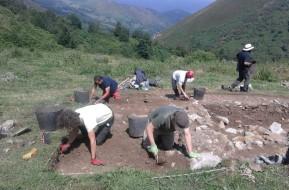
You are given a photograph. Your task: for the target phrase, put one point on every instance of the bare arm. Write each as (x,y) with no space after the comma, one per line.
(150,133)
(91,136)
(106,94)
(188,139)
(182,90)
(92,94)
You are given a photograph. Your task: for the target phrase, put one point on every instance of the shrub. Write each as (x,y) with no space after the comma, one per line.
(200,55)
(265,74)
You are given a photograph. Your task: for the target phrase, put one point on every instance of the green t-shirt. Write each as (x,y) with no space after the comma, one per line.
(162,118)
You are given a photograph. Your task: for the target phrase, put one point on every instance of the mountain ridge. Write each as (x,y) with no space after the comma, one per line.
(226,25)
(110,12)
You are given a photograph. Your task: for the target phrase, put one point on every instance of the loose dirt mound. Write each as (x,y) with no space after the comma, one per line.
(121,151)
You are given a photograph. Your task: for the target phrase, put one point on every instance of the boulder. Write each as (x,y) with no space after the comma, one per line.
(7,126)
(240,145)
(231,130)
(205,160)
(221,125)
(224,119)
(276,128)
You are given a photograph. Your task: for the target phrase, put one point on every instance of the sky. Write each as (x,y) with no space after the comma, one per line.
(166,5)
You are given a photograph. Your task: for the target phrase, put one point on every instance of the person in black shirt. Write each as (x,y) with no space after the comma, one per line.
(244,67)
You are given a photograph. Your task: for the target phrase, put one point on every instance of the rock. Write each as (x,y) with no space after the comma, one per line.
(263,131)
(276,128)
(276,101)
(238,121)
(203,127)
(205,160)
(221,125)
(231,130)
(258,143)
(224,119)
(198,129)
(170,153)
(230,164)
(240,145)
(285,83)
(7,126)
(220,144)
(7,77)
(276,138)
(252,127)
(209,141)
(255,167)
(193,117)
(6,150)
(238,103)
(248,133)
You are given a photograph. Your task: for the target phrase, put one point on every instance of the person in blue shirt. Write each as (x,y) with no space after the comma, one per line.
(109,89)
(244,67)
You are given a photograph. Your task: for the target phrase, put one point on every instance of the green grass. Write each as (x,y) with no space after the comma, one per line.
(45,78)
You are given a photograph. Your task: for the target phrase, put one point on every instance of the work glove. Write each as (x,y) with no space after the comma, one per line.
(194,155)
(64,147)
(153,149)
(96,162)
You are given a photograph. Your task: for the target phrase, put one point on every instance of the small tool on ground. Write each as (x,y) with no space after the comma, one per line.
(159,162)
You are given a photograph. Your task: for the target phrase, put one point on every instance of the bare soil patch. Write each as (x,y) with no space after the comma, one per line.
(121,151)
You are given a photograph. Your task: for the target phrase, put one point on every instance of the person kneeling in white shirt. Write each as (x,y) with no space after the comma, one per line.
(96,120)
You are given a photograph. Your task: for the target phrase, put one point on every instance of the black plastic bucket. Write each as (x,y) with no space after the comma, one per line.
(137,125)
(81,96)
(47,116)
(199,93)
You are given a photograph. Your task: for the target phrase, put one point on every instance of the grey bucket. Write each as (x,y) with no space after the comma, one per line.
(81,96)
(47,117)
(199,93)
(137,125)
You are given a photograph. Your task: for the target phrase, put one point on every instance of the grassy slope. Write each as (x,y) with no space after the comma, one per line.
(49,77)
(225,26)
(45,78)
(15,31)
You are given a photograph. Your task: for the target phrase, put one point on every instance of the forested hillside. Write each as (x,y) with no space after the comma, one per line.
(21,26)
(226,25)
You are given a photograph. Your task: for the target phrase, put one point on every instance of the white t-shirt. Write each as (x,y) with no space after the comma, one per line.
(180,76)
(94,115)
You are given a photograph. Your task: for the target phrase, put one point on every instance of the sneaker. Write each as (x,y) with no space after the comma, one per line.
(228,88)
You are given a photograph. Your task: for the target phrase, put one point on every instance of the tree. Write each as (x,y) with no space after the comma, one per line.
(117,29)
(139,34)
(121,32)
(124,35)
(74,21)
(93,27)
(144,49)
(65,38)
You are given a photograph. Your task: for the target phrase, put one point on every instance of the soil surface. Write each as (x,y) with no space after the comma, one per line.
(122,151)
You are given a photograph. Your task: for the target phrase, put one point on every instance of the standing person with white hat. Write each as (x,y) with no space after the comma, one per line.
(244,66)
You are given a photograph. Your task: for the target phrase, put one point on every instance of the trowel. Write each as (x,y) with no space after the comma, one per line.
(159,162)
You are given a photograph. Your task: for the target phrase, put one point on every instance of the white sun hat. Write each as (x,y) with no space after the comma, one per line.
(248,47)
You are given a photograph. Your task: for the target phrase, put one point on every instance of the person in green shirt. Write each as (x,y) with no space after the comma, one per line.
(159,132)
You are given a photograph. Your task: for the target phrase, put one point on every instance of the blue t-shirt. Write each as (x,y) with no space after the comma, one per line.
(108,82)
